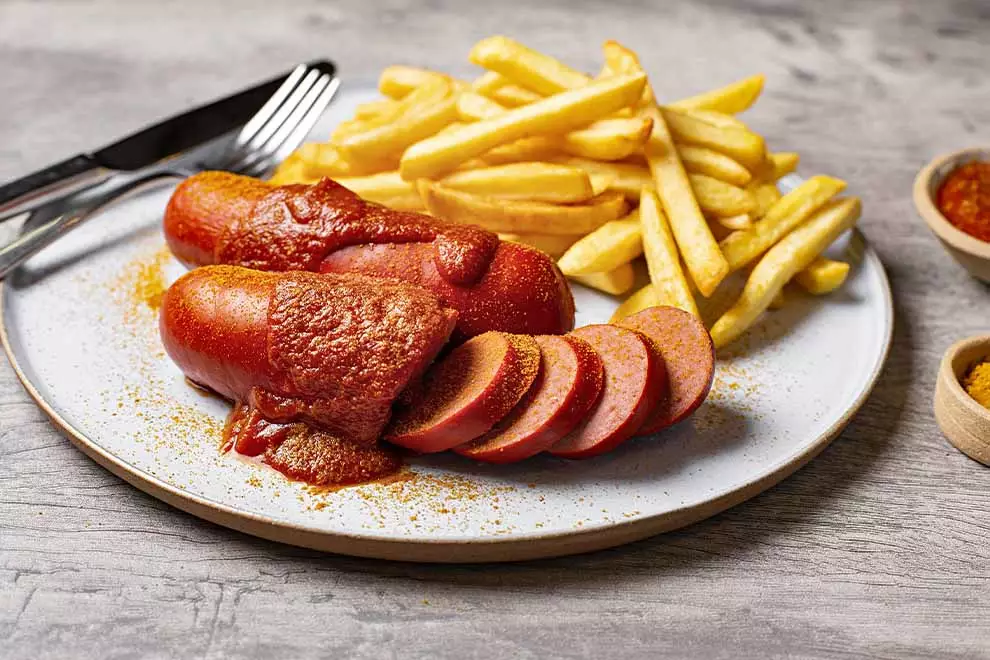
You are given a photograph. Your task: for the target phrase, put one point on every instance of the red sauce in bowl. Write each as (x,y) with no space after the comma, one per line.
(964,199)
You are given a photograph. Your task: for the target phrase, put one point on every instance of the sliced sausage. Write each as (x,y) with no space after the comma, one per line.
(634,382)
(569,384)
(689,356)
(463,395)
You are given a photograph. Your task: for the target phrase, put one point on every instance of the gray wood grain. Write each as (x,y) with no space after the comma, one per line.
(878,548)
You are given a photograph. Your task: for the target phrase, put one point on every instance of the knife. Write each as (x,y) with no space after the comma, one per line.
(165,139)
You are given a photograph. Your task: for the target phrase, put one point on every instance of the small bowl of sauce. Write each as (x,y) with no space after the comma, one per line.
(952,195)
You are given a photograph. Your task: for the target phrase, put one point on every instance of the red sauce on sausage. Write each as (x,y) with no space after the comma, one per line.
(296,227)
(304,453)
(964,199)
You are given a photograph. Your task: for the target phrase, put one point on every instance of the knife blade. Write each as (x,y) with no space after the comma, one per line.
(146,147)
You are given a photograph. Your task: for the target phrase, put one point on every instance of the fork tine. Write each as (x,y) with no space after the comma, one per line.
(295,127)
(262,162)
(284,111)
(260,118)
(298,135)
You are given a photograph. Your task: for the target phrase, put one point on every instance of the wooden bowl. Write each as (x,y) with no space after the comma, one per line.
(963,421)
(972,253)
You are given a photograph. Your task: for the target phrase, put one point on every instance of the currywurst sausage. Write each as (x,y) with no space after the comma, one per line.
(223,218)
(333,351)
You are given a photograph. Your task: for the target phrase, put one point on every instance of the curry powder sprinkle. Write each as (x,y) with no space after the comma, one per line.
(977,383)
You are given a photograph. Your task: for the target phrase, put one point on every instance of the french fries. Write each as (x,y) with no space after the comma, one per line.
(554,246)
(627,178)
(398,81)
(702,160)
(782,262)
(418,121)
(697,245)
(607,139)
(742,145)
(563,112)
(616,281)
(386,188)
(541,182)
(662,258)
(598,173)
(730,99)
(822,276)
(644,298)
(525,66)
(765,194)
(719,198)
(613,244)
(793,208)
(515,217)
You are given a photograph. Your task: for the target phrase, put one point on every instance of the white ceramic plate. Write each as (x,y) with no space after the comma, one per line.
(83,340)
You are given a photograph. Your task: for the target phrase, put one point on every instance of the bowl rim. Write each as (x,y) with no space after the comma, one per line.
(948,375)
(925,204)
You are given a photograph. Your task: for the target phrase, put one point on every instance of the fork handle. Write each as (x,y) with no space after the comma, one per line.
(81,207)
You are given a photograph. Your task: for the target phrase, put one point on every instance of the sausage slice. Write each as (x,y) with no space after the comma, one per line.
(569,384)
(634,382)
(464,394)
(689,355)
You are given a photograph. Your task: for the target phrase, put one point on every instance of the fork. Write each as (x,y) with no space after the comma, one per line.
(274,132)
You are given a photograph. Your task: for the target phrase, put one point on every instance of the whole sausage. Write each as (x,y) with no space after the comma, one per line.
(223,218)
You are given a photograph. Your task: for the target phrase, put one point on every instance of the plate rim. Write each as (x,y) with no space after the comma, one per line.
(446,550)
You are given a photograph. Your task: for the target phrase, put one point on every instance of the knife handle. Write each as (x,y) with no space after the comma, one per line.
(36,189)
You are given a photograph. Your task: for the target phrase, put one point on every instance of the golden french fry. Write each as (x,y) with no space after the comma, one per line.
(389,141)
(715,118)
(608,247)
(397,81)
(643,299)
(536,148)
(541,182)
(385,188)
(743,146)
(514,96)
(765,194)
(793,208)
(560,113)
(291,170)
(474,107)
(730,99)
(323,159)
(554,246)
(526,67)
(521,217)
(698,247)
(627,178)
(736,222)
(784,260)
(608,139)
(373,109)
(719,198)
(616,281)
(720,231)
(600,182)
(702,160)
(784,162)
(822,276)
(662,257)
(488,82)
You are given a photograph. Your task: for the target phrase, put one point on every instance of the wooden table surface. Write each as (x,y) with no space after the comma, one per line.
(877,548)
